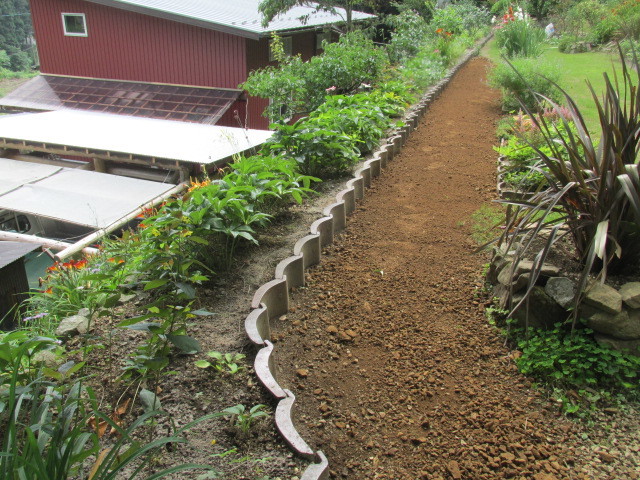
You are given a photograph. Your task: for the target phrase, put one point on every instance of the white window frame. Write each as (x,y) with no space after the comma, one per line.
(287,46)
(74,34)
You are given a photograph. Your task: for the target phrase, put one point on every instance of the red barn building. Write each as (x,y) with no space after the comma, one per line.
(144,57)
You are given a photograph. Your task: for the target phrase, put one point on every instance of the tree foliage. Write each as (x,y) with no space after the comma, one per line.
(15,32)
(272,8)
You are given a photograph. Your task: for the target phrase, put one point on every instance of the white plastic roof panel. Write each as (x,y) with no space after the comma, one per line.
(82,197)
(234,16)
(15,173)
(165,139)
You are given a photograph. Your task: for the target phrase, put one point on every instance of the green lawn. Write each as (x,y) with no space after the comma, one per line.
(575,70)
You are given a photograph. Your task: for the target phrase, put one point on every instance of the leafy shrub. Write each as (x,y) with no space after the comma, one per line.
(474,18)
(425,69)
(448,19)
(319,151)
(581,18)
(626,14)
(518,81)
(520,38)
(20,61)
(296,86)
(357,116)
(410,33)
(573,44)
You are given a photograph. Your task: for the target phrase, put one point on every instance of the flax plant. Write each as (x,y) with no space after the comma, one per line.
(593,186)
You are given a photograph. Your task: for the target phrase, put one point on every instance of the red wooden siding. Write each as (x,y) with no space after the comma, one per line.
(130,46)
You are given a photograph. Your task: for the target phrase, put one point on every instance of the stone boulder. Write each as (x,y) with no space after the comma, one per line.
(628,346)
(604,297)
(562,290)
(72,326)
(630,293)
(618,325)
(544,312)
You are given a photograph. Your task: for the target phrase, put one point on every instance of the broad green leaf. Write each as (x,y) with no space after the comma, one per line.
(186,344)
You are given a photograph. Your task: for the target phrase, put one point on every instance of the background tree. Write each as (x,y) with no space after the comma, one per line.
(272,8)
(16,32)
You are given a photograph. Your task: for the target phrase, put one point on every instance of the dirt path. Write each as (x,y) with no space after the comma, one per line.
(405,379)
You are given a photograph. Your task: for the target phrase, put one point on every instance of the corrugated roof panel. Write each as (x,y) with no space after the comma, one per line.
(81,197)
(241,15)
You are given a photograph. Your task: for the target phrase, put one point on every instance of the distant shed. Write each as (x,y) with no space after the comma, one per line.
(14,286)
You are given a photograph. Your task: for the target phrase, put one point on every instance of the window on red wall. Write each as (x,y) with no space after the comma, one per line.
(74,24)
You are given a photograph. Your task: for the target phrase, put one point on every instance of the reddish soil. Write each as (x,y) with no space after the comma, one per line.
(396,371)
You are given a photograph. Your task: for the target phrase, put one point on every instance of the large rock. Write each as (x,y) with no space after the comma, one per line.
(520,282)
(523,269)
(544,312)
(630,293)
(629,346)
(604,298)
(562,290)
(547,270)
(618,325)
(72,326)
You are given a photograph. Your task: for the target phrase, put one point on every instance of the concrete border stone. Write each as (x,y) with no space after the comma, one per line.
(274,295)
(358,185)
(323,227)
(374,166)
(365,173)
(292,269)
(348,197)
(257,325)
(319,470)
(309,247)
(338,212)
(284,424)
(265,371)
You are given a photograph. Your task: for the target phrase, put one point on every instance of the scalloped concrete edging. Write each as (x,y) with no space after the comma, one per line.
(271,300)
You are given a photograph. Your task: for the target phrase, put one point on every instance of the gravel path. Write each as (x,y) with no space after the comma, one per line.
(396,371)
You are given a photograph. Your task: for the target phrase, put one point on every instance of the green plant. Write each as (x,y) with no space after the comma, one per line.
(364,117)
(296,87)
(519,79)
(46,433)
(71,286)
(410,33)
(520,38)
(573,44)
(242,418)
(425,69)
(593,186)
(575,361)
(463,16)
(222,362)
(321,152)
(166,325)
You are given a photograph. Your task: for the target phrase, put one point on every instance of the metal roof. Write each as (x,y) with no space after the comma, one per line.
(92,199)
(78,132)
(239,17)
(150,100)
